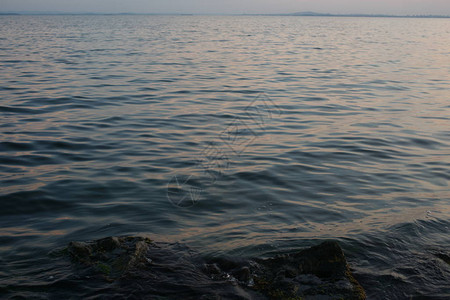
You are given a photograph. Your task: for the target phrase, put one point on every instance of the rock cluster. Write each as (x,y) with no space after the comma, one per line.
(143,268)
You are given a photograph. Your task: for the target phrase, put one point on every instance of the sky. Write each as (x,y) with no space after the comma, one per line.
(403,7)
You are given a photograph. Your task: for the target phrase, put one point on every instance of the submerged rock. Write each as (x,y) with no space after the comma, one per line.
(111,256)
(318,271)
(443,256)
(138,267)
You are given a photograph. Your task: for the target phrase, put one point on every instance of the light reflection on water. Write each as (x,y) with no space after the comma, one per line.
(100,112)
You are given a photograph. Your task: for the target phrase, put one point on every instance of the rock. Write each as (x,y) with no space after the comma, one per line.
(212,269)
(443,256)
(109,243)
(80,250)
(243,274)
(166,271)
(112,256)
(325,260)
(318,271)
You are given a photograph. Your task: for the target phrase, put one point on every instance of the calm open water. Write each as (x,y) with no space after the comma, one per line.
(244,136)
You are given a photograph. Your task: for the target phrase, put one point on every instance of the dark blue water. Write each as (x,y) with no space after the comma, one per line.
(245,136)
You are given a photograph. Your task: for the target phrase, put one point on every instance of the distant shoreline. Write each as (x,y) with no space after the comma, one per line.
(299,14)
(358,15)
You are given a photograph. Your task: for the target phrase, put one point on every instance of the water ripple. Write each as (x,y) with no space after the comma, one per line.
(289,130)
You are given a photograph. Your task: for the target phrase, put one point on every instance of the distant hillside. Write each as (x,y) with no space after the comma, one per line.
(309,13)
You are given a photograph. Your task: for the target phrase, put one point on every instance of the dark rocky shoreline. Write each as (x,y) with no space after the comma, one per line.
(136,267)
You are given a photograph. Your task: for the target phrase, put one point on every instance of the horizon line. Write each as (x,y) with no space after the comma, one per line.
(299,14)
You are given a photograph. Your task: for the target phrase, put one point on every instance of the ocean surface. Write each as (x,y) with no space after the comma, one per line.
(234,135)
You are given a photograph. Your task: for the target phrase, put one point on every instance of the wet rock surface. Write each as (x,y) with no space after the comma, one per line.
(114,257)
(136,267)
(445,256)
(319,272)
